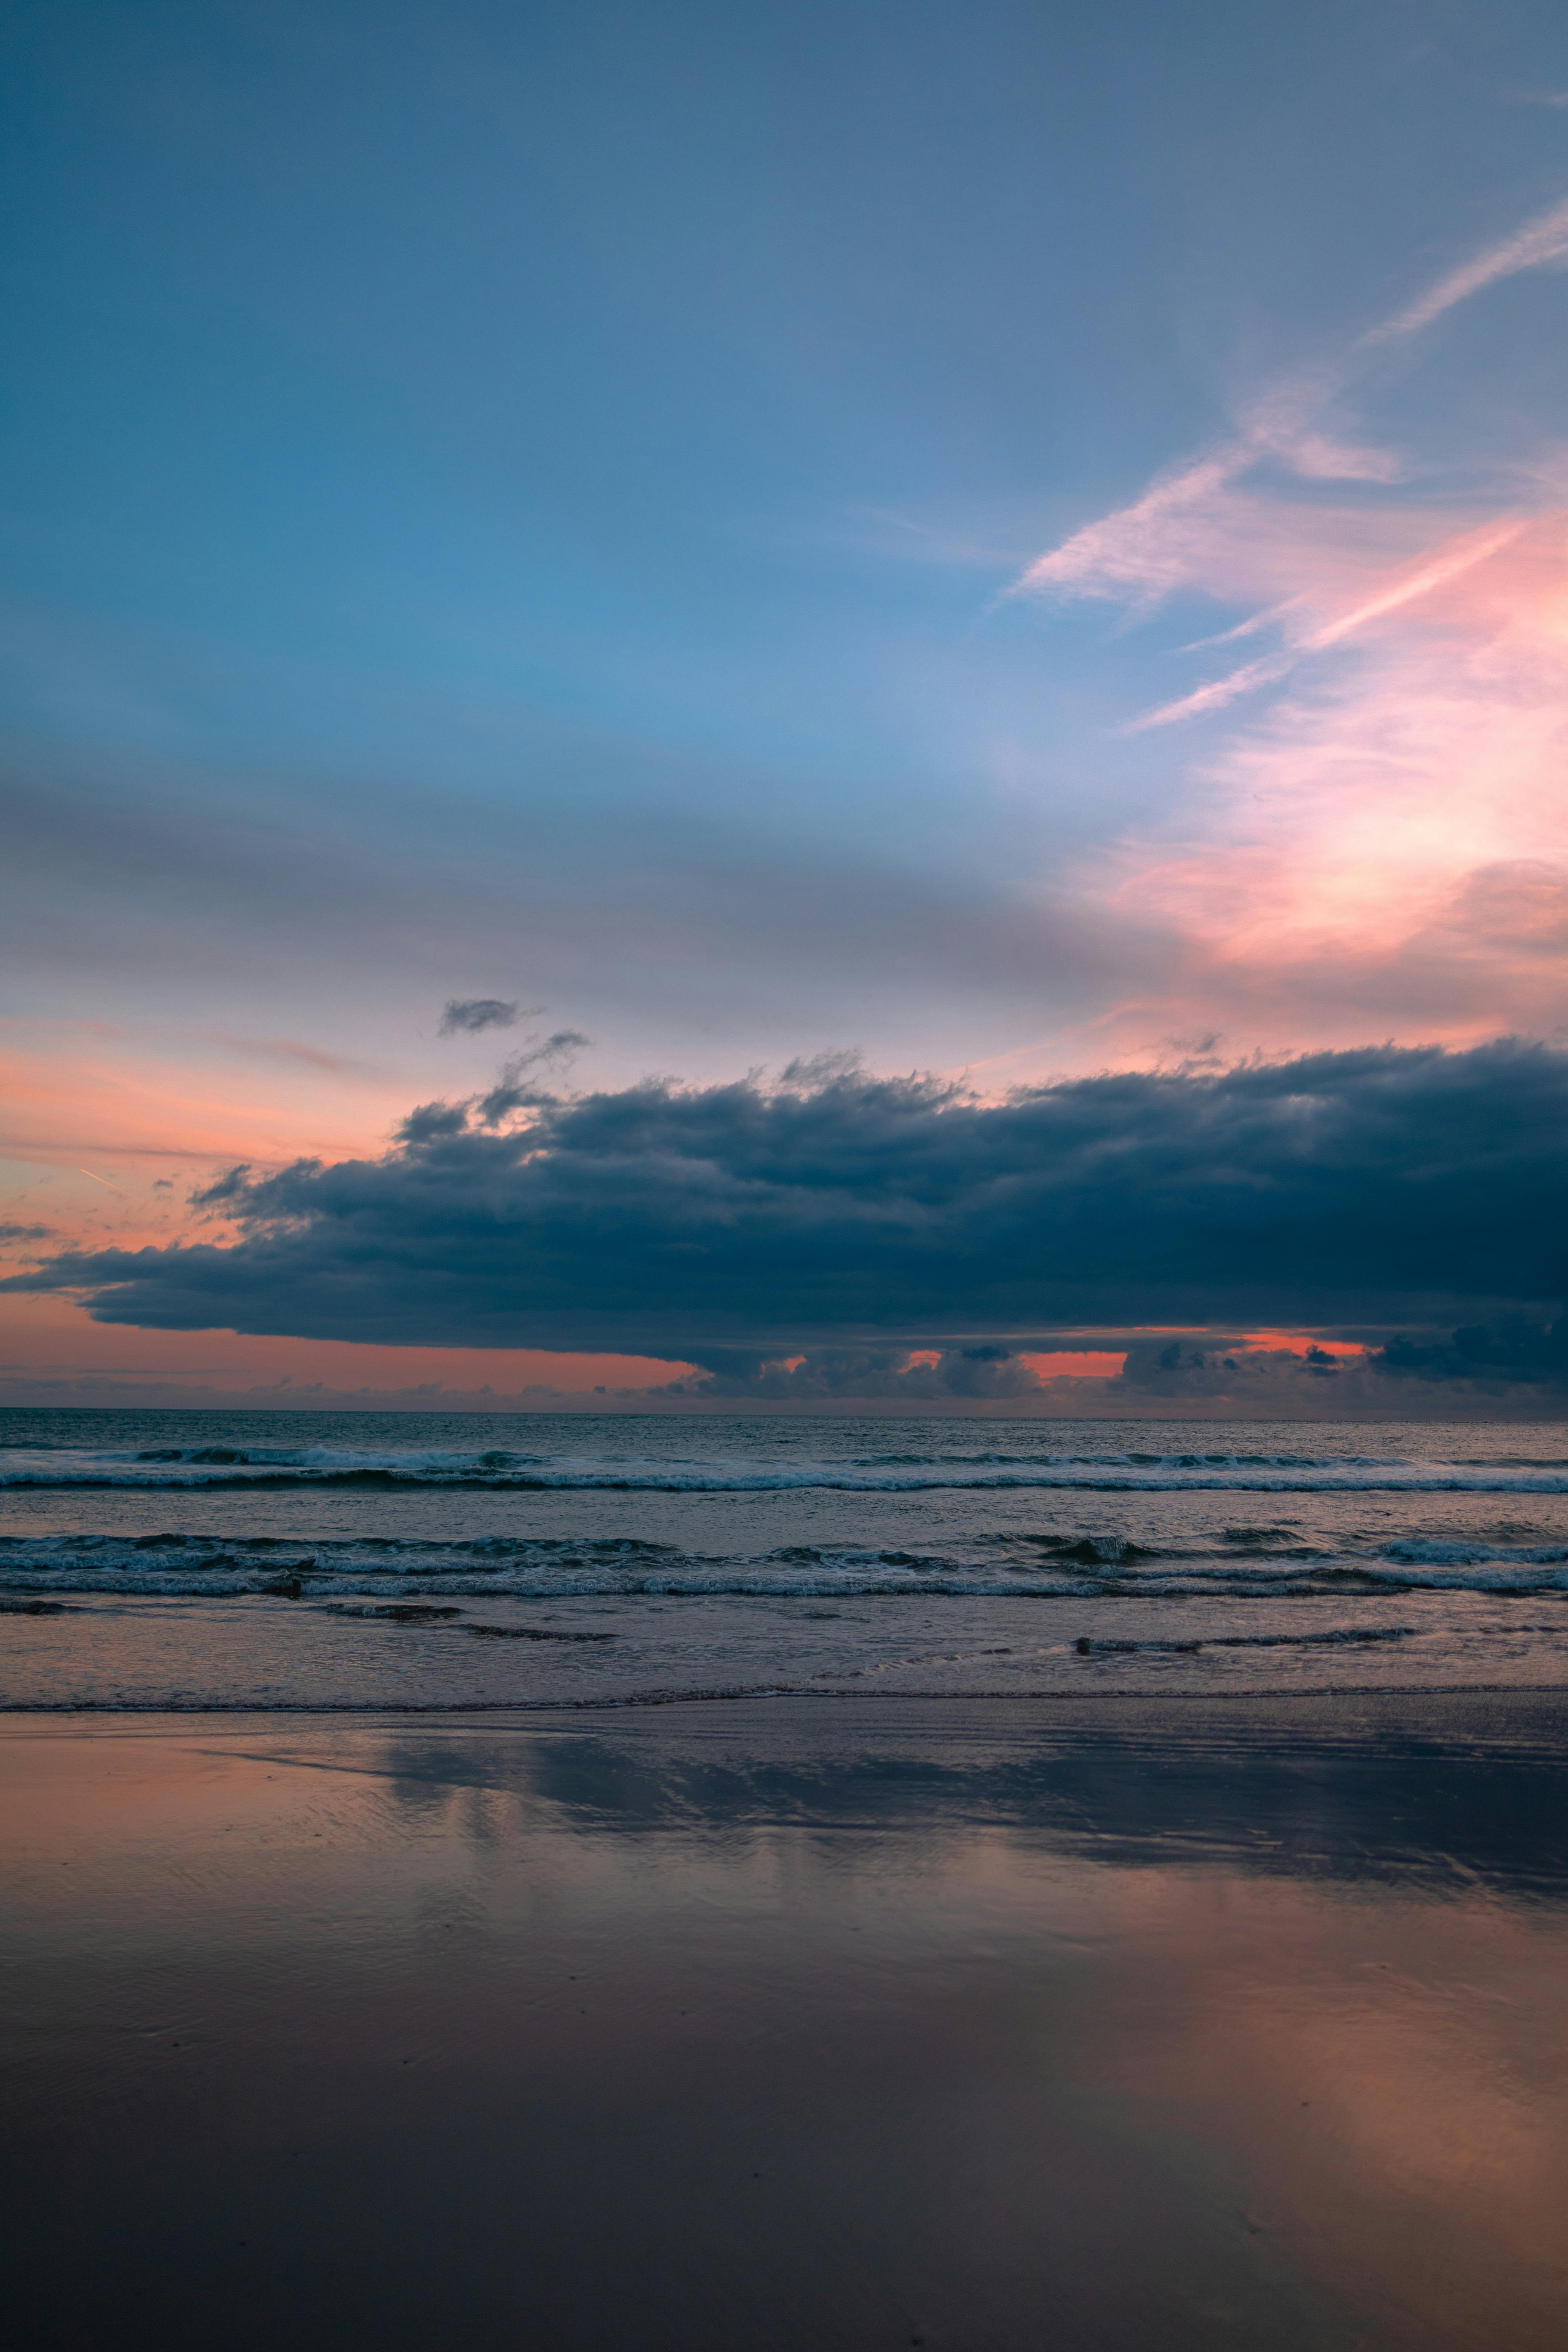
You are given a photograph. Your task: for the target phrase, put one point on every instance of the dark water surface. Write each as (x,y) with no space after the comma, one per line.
(251,1560)
(978,2026)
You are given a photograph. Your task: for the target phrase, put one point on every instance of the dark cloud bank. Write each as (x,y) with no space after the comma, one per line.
(851,1221)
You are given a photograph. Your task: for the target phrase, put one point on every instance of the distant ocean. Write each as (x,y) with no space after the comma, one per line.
(1210,1551)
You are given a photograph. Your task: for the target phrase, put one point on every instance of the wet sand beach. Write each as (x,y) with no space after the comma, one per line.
(969,2023)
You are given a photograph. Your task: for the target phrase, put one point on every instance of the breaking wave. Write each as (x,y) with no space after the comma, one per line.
(501,1469)
(1245,1563)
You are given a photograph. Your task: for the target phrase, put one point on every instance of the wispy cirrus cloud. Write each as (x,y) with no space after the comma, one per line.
(1169,537)
(1388,839)
(1386,848)
(292,1049)
(1406,587)
(1539,245)
(1149,549)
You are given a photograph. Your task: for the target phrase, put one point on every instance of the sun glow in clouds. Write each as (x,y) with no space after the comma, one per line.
(1390,835)
(458,737)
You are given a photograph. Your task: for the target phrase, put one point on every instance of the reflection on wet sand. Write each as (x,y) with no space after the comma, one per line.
(1186,2024)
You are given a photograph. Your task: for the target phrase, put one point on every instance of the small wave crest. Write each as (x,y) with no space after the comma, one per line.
(503,1469)
(1336,1636)
(171,1564)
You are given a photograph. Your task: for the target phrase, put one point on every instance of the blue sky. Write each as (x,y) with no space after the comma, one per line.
(533,504)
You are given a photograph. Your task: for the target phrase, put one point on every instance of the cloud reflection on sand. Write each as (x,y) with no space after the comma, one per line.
(1202,2025)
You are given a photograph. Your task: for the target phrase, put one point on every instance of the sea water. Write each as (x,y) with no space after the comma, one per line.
(327,1558)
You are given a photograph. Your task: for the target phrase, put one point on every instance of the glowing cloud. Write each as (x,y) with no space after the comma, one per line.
(1391,841)
(1435,572)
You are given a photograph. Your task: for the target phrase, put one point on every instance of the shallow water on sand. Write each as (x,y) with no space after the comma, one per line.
(969,2027)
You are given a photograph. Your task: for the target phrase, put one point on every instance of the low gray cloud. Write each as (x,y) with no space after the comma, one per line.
(1515,1362)
(25,1233)
(475,1013)
(987,1374)
(513,1091)
(733,1227)
(1512,1352)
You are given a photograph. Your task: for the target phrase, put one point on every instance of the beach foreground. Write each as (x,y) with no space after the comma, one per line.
(960,2023)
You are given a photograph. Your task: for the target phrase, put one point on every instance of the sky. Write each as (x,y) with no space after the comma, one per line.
(786,705)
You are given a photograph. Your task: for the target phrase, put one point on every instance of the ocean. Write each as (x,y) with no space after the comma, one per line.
(239,1558)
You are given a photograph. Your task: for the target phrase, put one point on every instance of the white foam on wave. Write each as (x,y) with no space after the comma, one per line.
(500,1469)
(190,1567)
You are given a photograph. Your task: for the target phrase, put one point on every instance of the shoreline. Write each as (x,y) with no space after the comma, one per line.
(561,1655)
(761,1695)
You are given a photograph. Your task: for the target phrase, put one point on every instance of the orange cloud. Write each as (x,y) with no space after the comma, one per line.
(47,1341)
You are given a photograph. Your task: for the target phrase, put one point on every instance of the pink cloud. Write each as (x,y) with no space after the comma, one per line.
(1179,533)
(1148,550)
(1541,243)
(48,1348)
(1382,847)
(1388,846)
(1433,572)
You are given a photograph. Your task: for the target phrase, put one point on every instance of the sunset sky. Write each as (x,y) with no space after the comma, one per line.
(772,551)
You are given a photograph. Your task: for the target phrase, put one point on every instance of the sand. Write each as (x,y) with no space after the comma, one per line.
(791,2024)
